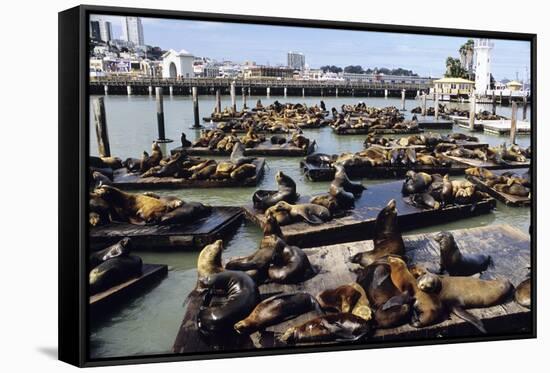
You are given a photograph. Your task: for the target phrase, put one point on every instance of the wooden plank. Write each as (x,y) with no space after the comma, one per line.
(490,165)
(379,131)
(219,224)
(432,123)
(358,224)
(125,180)
(264,149)
(509,247)
(118,294)
(506,198)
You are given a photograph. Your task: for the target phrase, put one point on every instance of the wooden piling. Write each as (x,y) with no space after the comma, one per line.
(525,107)
(336,93)
(472,112)
(402,99)
(243,92)
(436,104)
(494,103)
(233,97)
(150,89)
(160,113)
(106,89)
(104,149)
(218,108)
(513,124)
(385,93)
(196,118)
(171,90)
(284,91)
(268,91)
(303,92)
(129,89)
(423,104)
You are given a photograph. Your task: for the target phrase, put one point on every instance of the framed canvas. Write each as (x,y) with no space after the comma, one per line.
(236,186)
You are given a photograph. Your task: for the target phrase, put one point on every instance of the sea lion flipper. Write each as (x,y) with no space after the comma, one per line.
(312,219)
(395,301)
(468,317)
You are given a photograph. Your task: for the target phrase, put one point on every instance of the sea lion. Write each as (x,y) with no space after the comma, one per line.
(336,327)
(290,267)
(230,296)
(237,155)
(522,294)
(456,263)
(424,200)
(100,179)
(318,159)
(278,139)
(209,261)
(328,201)
(184,142)
(349,298)
(132,164)
(243,171)
(114,271)
(416,182)
(134,208)
(149,161)
(264,199)
(277,309)
(387,237)
(185,214)
(309,212)
(112,162)
(121,248)
(427,307)
(167,169)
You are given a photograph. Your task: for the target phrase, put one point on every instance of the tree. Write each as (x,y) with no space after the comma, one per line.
(455,69)
(331,68)
(354,69)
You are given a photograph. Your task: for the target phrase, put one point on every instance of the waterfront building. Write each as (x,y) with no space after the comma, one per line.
(211,71)
(95,32)
(383,78)
(177,64)
(132,30)
(105,31)
(514,85)
(254,72)
(482,50)
(454,86)
(295,60)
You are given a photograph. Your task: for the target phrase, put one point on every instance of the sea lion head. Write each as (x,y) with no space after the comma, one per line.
(155,146)
(210,260)
(121,248)
(445,240)
(429,283)
(386,221)
(279,176)
(271,226)
(107,192)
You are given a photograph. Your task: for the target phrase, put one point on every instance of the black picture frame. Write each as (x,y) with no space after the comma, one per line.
(73,163)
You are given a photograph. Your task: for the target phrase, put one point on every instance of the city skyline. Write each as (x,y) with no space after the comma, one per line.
(269,45)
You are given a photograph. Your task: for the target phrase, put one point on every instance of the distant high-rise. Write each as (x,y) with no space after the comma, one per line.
(296,61)
(132,30)
(95,32)
(105,31)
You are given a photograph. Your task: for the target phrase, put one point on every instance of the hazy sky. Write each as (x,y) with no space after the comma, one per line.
(424,55)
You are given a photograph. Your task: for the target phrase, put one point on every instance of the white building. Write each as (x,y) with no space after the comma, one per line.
(105,31)
(177,64)
(132,30)
(295,60)
(482,49)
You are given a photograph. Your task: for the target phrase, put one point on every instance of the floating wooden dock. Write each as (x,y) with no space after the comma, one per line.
(509,247)
(221,223)
(505,198)
(497,127)
(326,173)
(150,273)
(433,124)
(266,149)
(125,180)
(358,224)
(490,165)
(378,131)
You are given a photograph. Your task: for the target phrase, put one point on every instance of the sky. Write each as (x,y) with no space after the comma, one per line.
(266,44)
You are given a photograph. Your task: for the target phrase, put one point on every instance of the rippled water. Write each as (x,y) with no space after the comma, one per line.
(149,323)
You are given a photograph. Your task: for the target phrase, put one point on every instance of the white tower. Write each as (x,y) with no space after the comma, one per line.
(482,50)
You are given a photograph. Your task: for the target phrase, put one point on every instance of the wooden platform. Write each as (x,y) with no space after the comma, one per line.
(490,165)
(497,127)
(326,173)
(125,180)
(118,294)
(505,198)
(358,224)
(509,247)
(432,124)
(263,149)
(443,145)
(379,131)
(222,222)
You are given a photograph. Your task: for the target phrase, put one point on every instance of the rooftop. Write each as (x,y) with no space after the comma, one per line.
(454,80)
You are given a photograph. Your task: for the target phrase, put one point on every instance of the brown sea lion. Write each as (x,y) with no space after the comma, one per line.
(456,263)
(229,298)
(113,162)
(264,199)
(341,180)
(416,182)
(349,298)
(337,327)
(113,272)
(387,237)
(522,295)
(290,267)
(152,160)
(185,214)
(277,309)
(311,213)
(427,307)
(209,261)
(327,201)
(243,171)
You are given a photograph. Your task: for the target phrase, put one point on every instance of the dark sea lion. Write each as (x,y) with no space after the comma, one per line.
(114,272)
(121,248)
(100,179)
(522,295)
(308,212)
(427,308)
(424,200)
(229,298)
(319,159)
(328,201)
(153,160)
(277,139)
(349,298)
(132,164)
(184,142)
(337,327)
(387,237)
(345,200)
(237,155)
(111,162)
(169,168)
(416,182)
(185,214)
(277,309)
(131,207)
(456,263)
(243,171)
(209,261)
(290,267)
(264,199)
